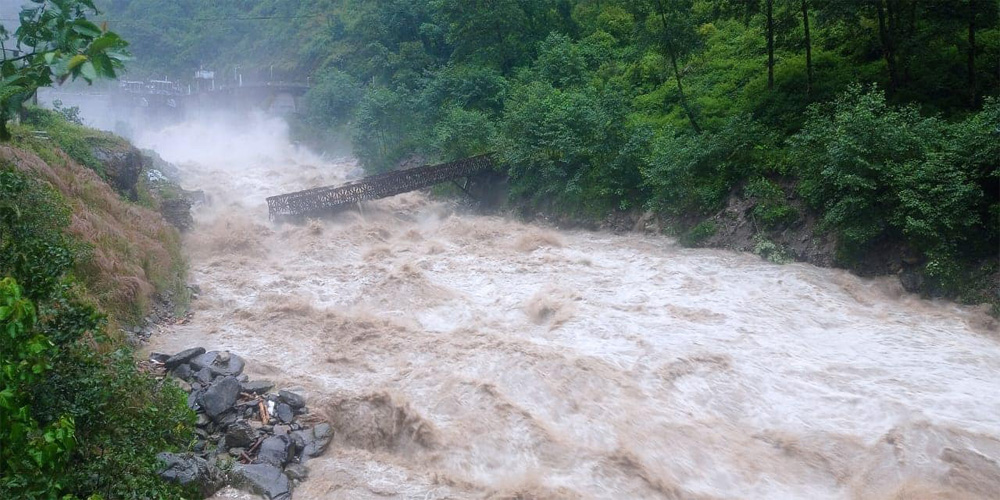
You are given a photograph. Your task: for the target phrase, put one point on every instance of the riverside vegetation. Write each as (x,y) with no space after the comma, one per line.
(83,254)
(80,262)
(873,123)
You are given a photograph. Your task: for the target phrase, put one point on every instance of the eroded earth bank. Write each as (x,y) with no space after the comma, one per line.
(462,356)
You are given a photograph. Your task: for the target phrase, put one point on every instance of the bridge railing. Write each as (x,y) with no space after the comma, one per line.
(329,199)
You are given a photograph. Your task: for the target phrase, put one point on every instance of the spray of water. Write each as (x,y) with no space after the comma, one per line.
(462,356)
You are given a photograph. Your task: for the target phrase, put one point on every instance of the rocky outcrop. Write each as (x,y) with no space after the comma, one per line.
(261,437)
(122,167)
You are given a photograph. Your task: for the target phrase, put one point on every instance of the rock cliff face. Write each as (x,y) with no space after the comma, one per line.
(122,166)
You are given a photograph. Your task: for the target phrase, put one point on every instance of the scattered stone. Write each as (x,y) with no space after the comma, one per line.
(297,471)
(183,357)
(275,450)
(182,371)
(257,386)
(192,401)
(293,399)
(220,363)
(219,397)
(226,419)
(263,479)
(202,420)
(284,413)
(240,434)
(280,430)
(188,469)
(204,376)
(316,439)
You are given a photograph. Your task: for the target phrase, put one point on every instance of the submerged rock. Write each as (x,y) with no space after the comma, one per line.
(314,440)
(263,479)
(275,450)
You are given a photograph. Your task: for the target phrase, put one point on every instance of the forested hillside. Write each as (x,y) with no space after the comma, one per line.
(877,117)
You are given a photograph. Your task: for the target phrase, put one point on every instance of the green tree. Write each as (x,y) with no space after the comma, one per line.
(54,42)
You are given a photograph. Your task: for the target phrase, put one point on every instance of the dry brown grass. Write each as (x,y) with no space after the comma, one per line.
(134,253)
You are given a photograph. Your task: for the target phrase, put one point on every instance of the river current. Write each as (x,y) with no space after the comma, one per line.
(470,356)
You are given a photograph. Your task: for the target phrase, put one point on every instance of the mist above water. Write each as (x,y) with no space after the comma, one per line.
(464,356)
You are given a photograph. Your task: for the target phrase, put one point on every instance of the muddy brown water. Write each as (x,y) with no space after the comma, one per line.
(463,356)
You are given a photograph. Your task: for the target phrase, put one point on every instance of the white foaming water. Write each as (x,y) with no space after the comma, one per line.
(463,356)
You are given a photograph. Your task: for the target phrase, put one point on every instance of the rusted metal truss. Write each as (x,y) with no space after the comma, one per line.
(330,199)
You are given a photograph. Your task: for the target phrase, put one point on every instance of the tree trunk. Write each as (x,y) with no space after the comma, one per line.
(972,53)
(770,44)
(887,48)
(672,52)
(809,63)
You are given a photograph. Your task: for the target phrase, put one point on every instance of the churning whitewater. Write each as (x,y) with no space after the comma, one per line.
(465,356)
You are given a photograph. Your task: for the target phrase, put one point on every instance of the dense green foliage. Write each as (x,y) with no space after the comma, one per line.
(876,112)
(55,42)
(76,416)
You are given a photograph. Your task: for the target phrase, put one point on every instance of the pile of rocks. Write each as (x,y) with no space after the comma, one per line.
(247,435)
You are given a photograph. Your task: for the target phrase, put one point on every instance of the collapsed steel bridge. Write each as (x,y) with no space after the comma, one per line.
(330,199)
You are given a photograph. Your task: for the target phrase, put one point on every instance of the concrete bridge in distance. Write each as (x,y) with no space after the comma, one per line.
(164,96)
(122,105)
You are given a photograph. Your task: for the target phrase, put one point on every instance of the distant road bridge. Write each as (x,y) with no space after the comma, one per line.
(331,199)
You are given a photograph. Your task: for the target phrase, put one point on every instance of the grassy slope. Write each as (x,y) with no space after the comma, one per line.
(132,253)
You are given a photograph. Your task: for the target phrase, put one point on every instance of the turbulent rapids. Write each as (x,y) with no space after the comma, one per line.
(462,356)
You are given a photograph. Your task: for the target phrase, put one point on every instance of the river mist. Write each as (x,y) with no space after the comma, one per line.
(470,356)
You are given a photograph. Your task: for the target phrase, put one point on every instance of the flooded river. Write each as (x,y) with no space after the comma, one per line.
(467,356)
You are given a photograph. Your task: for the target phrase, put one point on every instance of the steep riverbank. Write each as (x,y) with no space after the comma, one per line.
(470,356)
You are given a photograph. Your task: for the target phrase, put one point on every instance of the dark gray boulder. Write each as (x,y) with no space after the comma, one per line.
(220,363)
(313,440)
(219,397)
(188,469)
(263,479)
(284,413)
(294,400)
(257,386)
(204,376)
(275,450)
(193,400)
(182,371)
(240,434)
(183,357)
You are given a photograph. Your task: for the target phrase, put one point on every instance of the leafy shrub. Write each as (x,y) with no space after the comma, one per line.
(333,99)
(570,146)
(877,172)
(771,209)
(770,251)
(696,172)
(383,134)
(699,233)
(462,133)
(76,417)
